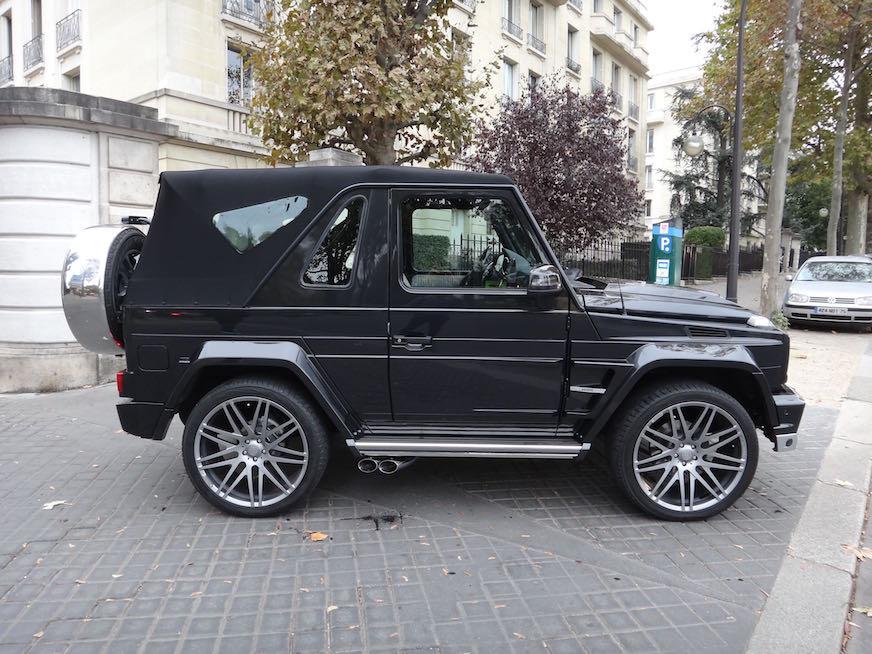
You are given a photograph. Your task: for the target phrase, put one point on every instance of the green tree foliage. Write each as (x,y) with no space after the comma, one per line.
(802,207)
(713,237)
(384,79)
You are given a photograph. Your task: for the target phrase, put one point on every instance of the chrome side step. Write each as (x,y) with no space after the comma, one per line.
(517,448)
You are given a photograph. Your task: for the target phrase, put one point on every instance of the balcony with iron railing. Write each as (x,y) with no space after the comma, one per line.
(535,43)
(633,111)
(632,163)
(247,10)
(68,30)
(5,70)
(619,100)
(33,53)
(596,84)
(468,5)
(512,29)
(573,65)
(576,4)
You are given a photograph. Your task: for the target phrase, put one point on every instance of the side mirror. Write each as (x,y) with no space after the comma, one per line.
(789,278)
(544,280)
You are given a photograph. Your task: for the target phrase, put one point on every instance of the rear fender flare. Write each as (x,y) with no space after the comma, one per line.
(662,356)
(265,355)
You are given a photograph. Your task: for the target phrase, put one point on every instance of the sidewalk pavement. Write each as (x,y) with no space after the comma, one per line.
(810,606)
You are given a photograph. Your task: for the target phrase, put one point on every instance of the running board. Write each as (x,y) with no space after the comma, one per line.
(508,448)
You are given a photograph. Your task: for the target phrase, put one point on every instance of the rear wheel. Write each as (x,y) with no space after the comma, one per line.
(684,450)
(121,259)
(254,447)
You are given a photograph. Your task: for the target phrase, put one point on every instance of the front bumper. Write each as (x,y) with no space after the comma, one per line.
(145,419)
(806,312)
(788,410)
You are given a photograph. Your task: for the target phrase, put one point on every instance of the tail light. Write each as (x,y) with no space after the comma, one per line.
(119,382)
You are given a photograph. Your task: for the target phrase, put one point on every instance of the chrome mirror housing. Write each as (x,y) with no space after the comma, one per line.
(544,279)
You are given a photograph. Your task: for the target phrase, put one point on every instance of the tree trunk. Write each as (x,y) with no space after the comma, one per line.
(855,227)
(839,145)
(778,182)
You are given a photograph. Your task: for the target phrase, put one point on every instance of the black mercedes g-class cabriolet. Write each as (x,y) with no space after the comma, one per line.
(407,312)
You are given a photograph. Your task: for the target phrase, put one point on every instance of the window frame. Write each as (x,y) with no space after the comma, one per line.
(507,195)
(324,233)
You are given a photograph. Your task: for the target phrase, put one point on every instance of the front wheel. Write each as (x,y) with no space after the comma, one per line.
(254,447)
(684,450)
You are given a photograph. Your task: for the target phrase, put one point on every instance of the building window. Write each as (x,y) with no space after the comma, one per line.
(616,85)
(649,176)
(537,22)
(6,35)
(649,141)
(651,103)
(533,80)
(239,77)
(510,79)
(647,208)
(510,10)
(597,60)
(72,82)
(36,17)
(597,6)
(619,19)
(635,36)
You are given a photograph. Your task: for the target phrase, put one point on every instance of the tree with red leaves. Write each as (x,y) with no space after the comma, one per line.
(567,152)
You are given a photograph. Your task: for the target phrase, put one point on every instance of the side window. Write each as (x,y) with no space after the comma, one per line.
(465,241)
(248,227)
(333,259)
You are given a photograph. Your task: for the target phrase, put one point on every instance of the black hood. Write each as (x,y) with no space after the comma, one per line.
(638,298)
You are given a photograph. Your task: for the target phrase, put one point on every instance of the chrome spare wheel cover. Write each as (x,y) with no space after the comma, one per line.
(690,456)
(251,451)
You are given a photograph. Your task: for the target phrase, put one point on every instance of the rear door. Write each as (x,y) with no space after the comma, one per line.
(468,345)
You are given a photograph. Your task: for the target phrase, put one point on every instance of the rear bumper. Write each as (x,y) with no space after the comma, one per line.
(145,419)
(788,409)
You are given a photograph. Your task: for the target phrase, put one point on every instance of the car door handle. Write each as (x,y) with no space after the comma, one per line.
(412,343)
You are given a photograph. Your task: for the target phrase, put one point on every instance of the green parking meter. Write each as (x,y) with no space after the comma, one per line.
(666,254)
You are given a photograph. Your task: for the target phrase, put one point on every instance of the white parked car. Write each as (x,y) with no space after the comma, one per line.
(831,290)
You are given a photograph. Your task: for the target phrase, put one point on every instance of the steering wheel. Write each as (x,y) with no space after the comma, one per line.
(496,266)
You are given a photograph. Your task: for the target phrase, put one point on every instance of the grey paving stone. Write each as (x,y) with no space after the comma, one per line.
(541,553)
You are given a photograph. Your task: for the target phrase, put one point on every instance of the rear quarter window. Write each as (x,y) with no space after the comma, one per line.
(247,227)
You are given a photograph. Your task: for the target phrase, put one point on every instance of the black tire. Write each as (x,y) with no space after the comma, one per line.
(647,404)
(121,259)
(297,405)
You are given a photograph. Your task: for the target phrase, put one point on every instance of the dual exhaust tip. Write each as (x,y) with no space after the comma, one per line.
(369,465)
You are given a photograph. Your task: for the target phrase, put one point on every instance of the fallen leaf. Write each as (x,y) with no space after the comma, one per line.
(197,593)
(499,606)
(845,484)
(115,576)
(519,636)
(332,608)
(866,610)
(38,634)
(861,553)
(81,581)
(316,536)
(48,506)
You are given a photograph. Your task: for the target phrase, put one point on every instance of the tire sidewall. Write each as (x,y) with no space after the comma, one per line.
(299,407)
(129,239)
(627,444)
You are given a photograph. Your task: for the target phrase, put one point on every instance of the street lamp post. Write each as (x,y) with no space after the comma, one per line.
(693,146)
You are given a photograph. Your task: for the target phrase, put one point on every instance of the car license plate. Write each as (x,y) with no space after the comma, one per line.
(832,311)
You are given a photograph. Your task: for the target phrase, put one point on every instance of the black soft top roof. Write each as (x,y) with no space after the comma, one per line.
(187,261)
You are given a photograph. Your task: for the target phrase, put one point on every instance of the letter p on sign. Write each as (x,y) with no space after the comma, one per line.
(665,244)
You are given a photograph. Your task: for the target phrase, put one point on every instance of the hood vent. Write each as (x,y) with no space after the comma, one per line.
(706,332)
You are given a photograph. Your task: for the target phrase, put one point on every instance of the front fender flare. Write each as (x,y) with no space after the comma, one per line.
(283,355)
(659,356)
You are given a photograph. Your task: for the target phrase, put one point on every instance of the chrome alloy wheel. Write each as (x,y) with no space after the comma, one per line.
(690,456)
(251,451)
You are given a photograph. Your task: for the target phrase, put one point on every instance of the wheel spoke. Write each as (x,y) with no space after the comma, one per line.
(249,477)
(657,466)
(694,473)
(217,436)
(681,489)
(660,481)
(217,454)
(253,424)
(651,433)
(714,478)
(238,479)
(691,491)
(718,445)
(282,459)
(260,487)
(721,466)
(684,427)
(217,464)
(656,457)
(285,450)
(669,485)
(288,487)
(731,459)
(698,433)
(279,429)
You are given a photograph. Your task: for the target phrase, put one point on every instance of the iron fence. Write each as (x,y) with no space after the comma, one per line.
(573,65)
(249,10)
(33,52)
(68,29)
(6,69)
(510,28)
(699,262)
(610,259)
(535,43)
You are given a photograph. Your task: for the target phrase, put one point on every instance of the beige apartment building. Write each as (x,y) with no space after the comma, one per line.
(97,97)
